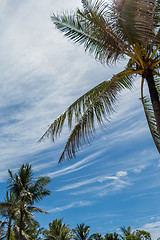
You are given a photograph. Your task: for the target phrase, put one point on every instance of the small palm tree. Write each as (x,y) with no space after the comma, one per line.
(96,236)
(27,191)
(34,231)
(81,232)
(135,235)
(57,231)
(111,32)
(112,236)
(9,211)
(127,232)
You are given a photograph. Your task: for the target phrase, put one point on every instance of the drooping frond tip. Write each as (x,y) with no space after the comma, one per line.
(93,107)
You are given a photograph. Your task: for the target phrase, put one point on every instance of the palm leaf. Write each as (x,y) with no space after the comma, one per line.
(90,28)
(140,19)
(35,209)
(75,111)
(98,110)
(96,105)
(151,121)
(37,189)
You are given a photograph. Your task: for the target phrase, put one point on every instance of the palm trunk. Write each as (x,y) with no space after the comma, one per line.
(9,229)
(20,226)
(154,97)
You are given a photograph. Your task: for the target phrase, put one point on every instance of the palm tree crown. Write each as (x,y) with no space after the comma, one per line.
(111,32)
(81,232)
(27,190)
(57,231)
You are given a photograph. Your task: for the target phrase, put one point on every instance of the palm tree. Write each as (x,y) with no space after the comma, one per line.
(135,235)
(141,234)
(9,210)
(81,232)
(57,231)
(112,236)
(111,32)
(27,191)
(35,231)
(127,233)
(96,236)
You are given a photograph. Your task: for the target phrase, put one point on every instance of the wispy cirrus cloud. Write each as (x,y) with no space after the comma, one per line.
(87,161)
(153,228)
(71,205)
(118,181)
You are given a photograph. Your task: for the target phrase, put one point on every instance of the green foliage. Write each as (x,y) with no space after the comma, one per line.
(111,32)
(81,232)
(112,236)
(135,235)
(9,211)
(96,236)
(57,231)
(18,208)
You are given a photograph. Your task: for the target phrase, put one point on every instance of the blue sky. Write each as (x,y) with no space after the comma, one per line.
(113,182)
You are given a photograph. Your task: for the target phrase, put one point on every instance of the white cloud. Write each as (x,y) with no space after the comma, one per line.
(122,174)
(70,205)
(75,167)
(38,82)
(153,228)
(99,185)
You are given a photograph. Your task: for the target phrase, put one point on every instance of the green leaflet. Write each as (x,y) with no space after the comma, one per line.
(151,121)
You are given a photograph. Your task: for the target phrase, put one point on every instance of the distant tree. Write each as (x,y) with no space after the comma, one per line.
(143,235)
(35,231)
(9,211)
(135,235)
(112,236)
(81,232)
(127,232)
(96,236)
(57,231)
(27,191)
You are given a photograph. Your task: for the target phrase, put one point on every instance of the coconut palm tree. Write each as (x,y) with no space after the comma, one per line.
(34,231)
(127,232)
(112,236)
(112,31)
(81,232)
(9,211)
(57,231)
(96,236)
(135,235)
(27,191)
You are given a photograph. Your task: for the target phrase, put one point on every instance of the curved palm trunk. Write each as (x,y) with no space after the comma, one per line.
(154,97)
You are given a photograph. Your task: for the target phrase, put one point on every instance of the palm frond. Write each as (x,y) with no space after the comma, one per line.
(41,194)
(39,185)
(35,209)
(75,111)
(2,224)
(151,121)
(157,84)
(140,19)
(90,28)
(95,105)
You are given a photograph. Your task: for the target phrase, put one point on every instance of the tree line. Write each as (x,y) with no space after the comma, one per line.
(17,214)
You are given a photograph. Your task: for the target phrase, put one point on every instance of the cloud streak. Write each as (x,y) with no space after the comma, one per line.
(70,205)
